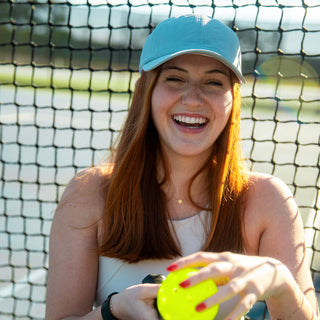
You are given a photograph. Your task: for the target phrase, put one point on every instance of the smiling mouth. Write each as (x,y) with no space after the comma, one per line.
(190,122)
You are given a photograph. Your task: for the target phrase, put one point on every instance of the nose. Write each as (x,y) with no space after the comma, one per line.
(192,96)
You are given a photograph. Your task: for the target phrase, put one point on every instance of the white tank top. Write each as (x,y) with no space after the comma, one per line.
(115,275)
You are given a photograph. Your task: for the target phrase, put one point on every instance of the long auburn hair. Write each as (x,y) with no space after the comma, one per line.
(136,222)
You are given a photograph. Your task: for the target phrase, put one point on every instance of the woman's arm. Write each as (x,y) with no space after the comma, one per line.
(73,262)
(283,239)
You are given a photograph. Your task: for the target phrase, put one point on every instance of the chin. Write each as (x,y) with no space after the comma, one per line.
(192,153)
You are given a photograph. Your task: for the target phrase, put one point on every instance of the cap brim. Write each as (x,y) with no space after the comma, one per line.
(157,62)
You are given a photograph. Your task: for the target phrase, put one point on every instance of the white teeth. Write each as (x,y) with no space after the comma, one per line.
(187,119)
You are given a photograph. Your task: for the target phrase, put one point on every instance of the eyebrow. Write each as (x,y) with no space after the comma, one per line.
(207,72)
(173,68)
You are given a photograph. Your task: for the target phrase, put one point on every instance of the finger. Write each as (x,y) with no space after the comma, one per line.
(219,272)
(199,259)
(231,289)
(243,307)
(244,303)
(244,288)
(148,291)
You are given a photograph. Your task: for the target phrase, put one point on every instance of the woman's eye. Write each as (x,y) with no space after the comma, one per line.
(174,79)
(215,83)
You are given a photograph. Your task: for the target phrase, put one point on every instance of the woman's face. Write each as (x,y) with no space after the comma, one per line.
(190,105)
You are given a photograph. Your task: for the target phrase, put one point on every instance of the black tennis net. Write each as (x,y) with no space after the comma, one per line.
(67,72)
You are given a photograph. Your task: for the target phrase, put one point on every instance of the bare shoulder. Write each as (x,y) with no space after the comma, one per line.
(271,210)
(269,193)
(84,196)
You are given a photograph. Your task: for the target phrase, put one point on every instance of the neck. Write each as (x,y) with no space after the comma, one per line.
(176,187)
(183,168)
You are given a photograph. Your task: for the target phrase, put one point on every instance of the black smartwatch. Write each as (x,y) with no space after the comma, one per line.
(154,278)
(105,309)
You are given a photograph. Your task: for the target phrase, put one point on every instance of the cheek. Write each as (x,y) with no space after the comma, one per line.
(156,107)
(225,105)
(161,100)
(228,101)
(228,105)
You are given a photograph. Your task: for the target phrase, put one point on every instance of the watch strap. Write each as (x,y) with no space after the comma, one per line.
(106,310)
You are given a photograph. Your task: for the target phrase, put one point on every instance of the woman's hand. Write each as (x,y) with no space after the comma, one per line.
(136,302)
(253,278)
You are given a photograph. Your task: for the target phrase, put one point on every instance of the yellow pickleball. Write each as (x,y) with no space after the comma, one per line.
(176,303)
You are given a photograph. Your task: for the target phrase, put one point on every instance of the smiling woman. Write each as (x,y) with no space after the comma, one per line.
(196,90)
(177,194)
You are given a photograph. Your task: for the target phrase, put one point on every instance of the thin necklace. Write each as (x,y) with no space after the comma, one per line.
(179,201)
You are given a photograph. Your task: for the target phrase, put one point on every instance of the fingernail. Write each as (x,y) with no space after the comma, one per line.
(185,283)
(201,306)
(172,267)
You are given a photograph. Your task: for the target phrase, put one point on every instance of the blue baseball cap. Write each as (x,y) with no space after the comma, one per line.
(197,34)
